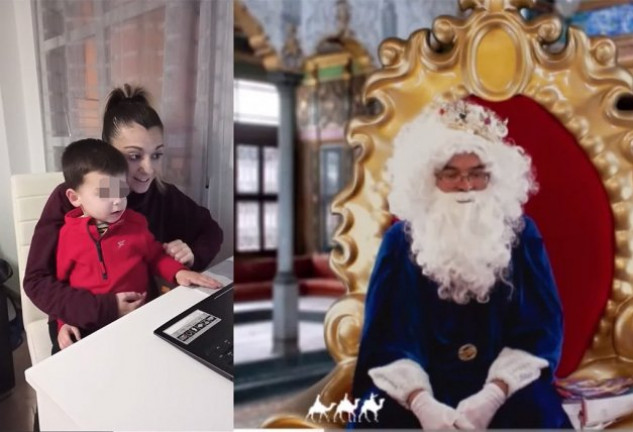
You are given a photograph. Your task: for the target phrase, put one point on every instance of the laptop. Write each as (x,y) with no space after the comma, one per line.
(205,331)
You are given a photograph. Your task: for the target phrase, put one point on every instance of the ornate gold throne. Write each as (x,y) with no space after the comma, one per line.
(562,107)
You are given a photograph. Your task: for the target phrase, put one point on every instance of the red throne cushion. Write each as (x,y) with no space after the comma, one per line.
(574,216)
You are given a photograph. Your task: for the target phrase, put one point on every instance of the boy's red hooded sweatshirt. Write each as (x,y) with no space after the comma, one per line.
(121,260)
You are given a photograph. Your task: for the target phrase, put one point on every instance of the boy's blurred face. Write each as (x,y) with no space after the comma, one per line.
(102,196)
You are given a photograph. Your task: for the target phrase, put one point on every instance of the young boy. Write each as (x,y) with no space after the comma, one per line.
(103,247)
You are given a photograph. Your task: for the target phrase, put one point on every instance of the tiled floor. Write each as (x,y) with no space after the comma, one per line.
(253,341)
(16,411)
(253,414)
(308,303)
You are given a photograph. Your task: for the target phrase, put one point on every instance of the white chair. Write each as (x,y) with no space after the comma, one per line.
(29,194)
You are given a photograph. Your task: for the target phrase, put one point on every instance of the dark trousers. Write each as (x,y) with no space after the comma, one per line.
(52,332)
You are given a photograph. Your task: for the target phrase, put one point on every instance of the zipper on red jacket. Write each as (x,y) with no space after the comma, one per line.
(97,242)
(104,272)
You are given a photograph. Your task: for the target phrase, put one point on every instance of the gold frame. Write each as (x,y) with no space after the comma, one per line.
(579,85)
(257,37)
(624,44)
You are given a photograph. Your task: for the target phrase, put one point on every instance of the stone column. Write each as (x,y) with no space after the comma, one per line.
(285,287)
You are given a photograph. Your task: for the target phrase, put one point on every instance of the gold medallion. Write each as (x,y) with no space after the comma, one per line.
(467,352)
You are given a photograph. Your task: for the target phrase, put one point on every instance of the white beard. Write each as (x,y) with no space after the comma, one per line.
(463,241)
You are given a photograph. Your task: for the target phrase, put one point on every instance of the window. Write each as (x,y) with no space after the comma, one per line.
(336,167)
(256,117)
(87,47)
(255,103)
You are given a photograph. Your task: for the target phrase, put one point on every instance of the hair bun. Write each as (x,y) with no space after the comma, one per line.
(126,105)
(135,94)
(127,94)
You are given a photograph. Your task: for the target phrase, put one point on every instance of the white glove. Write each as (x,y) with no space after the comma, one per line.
(434,415)
(401,378)
(516,368)
(480,408)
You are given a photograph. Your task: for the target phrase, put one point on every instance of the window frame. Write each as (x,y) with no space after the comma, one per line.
(97,28)
(262,136)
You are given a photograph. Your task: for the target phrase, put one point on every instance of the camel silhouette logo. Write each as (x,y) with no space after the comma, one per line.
(345,406)
(371,405)
(320,409)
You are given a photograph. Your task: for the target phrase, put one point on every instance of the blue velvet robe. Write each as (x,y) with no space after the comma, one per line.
(405,318)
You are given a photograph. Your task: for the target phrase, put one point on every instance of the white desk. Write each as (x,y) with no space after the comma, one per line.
(123,377)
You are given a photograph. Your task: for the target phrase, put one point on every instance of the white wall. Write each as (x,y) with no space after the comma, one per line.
(30,88)
(21,133)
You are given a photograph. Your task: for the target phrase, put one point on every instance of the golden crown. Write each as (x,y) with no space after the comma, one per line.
(472,118)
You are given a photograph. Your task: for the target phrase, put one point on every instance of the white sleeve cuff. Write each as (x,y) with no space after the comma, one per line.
(516,368)
(400,378)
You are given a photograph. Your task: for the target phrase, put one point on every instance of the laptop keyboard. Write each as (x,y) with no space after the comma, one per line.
(221,353)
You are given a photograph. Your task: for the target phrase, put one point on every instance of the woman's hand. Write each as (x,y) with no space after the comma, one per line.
(128,301)
(179,251)
(188,277)
(65,336)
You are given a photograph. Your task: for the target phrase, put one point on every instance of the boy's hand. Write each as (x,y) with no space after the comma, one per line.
(65,336)
(128,301)
(179,251)
(188,277)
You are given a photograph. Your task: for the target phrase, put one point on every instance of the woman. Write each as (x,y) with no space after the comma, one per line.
(188,231)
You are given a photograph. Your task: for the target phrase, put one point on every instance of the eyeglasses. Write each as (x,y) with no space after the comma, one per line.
(452,177)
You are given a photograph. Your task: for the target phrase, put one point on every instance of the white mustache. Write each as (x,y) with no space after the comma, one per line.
(465,197)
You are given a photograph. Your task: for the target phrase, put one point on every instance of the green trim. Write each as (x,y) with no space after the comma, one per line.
(334,73)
